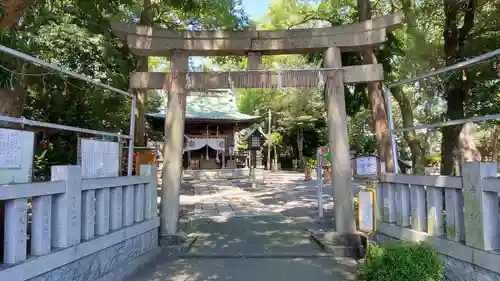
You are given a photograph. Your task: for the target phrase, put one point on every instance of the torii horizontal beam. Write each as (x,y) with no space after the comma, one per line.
(148,41)
(154,46)
(259,79)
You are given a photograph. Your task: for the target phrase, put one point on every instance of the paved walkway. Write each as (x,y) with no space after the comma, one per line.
(251,234)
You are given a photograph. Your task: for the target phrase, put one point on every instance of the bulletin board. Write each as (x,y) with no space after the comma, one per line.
(99,158)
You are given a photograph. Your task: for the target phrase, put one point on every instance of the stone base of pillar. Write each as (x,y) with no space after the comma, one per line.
(176,239)
(342,245)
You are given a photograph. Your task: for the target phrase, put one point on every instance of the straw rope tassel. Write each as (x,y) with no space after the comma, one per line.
(206,152)
(217,152)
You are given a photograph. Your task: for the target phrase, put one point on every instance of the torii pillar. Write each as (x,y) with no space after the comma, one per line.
(173,148)
(254,62)
(339,144)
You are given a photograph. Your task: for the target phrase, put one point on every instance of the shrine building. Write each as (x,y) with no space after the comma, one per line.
(210,130)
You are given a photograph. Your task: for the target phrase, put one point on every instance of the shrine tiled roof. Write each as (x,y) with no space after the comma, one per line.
(218,107)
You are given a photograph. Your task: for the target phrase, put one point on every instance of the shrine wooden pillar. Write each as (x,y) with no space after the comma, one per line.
(339,144)
(173,146)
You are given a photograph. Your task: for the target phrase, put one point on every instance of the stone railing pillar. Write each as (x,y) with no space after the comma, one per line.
(481,207)
(67,207)
(173,144)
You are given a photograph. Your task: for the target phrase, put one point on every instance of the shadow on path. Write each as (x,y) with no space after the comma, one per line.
(263,248)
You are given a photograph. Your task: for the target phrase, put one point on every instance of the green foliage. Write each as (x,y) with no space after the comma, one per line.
(402,262)
(76,34)
(311,163)
(432,160)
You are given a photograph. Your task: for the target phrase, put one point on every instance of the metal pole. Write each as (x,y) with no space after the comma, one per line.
(29,122)
(62,70)
(448,123)
(449,68)
(130,159)
(390,119)
(319,176)
(269,141)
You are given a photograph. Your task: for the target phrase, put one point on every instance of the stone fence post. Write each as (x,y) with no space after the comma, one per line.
(480,206)
(67,207)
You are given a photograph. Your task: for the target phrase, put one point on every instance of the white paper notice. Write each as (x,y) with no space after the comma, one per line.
(366,211)
(366,166)
(11,151)
(99,159)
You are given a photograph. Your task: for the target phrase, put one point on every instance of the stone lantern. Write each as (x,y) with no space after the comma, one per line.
(255,139)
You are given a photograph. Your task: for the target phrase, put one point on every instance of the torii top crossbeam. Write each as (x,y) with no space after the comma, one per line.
(148,41)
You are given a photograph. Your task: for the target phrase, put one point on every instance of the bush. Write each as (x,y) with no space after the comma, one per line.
(402,262)
(433,160)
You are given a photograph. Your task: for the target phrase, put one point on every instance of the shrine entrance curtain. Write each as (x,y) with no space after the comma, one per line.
(216,144)
(195,144)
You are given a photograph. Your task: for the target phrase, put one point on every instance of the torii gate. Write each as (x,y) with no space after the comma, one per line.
(179,45)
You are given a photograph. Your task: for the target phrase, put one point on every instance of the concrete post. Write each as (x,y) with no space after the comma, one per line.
(67,207)
(339,145)
(173,145)
(480,207)
(151,193)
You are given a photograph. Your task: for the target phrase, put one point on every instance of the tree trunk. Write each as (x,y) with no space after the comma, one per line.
(275,160)
(376,98)
(12,101)
(494,143)
(12,11)
(417,156)
(140,137)
(300,147)
(468,149)
(456,89)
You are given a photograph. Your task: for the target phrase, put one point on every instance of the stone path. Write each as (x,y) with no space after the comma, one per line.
(284,193)
(264,248)
(251,234)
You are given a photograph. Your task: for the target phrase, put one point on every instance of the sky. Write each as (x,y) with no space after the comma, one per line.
(255,9)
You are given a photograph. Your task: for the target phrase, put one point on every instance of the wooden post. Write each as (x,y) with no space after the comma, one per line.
(339,145)
(254,61)
(223,160)
(172,149)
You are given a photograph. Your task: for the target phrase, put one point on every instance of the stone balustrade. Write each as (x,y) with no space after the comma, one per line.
(50,225)
(458,216)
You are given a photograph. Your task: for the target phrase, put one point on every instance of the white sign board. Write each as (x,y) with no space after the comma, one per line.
(366,210)
(366,166)
(11,149)
(99,158)
(16,156)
